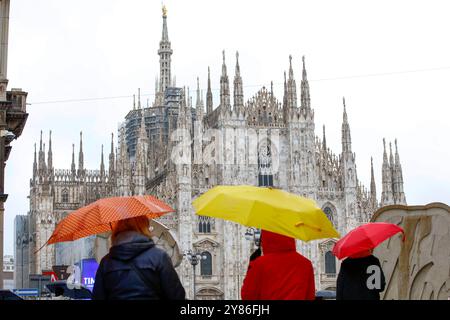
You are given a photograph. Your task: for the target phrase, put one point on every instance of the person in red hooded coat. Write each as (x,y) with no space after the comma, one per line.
(281,273)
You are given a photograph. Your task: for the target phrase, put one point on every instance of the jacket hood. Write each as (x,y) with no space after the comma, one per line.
(276,243)
(361,254)
(129,244)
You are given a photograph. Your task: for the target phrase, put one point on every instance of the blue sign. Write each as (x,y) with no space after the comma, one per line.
(88,270)
(34,292)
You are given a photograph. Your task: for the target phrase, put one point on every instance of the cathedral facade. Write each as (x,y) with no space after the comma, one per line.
(176,150)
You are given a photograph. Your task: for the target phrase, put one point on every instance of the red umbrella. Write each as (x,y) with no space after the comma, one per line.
(364,238)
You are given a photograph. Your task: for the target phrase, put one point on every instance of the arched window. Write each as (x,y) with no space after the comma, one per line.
(65,196)
(204,224)
(329,213)
(206,264)
(330,263)
(265,176)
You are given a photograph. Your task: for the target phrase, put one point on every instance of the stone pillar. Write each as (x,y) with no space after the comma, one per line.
(4,22)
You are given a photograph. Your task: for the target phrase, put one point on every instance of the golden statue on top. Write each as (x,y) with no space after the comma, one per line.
(164,11)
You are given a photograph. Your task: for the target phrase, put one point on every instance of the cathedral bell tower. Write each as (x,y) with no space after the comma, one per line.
(165,60)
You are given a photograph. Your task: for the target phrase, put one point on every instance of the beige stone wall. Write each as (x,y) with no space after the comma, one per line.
(419,267)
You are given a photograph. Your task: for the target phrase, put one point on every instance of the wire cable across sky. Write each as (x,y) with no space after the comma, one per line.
(370,75)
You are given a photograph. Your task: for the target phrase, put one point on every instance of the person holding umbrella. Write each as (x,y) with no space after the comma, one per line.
(353,281)
(361,276)
(134,267)
(281,273)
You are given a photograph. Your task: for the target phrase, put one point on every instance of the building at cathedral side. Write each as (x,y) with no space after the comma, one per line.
(13,116)
(176,150)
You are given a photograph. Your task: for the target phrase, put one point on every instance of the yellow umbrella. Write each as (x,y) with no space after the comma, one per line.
(270,209)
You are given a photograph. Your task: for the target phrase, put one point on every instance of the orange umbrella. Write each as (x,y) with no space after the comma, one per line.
(98,216)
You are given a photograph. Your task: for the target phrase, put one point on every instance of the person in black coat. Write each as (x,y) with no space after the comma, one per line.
(135,268)
(357,279)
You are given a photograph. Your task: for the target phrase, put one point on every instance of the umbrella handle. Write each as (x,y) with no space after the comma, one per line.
(301,224)
(42,246)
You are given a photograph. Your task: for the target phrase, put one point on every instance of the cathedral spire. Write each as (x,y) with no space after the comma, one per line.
(117,163)
(224,66)
(35,162)
(400,196)
(387,196)
(111,157)
(304,74)
(391,157)
(165,34)
(41,163)
(198,99)
(291,87)
(50,154)
(209,97)
(346,138)
(81,156)
(393,175)
(373,189)
(285,101)
(199,102)
(73,160)
(139,98)
(224,86)
(102,165)
(189,99)
(165,53)
(238,88)
(40,143)
(324,141)
(397,156)
(291,71)
(44,168)
(305,97)
(134,102)
(45,165)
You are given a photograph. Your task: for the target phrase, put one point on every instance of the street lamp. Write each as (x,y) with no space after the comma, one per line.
(253,234)
(194,258)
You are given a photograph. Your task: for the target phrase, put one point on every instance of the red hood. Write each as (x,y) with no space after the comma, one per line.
(274,242)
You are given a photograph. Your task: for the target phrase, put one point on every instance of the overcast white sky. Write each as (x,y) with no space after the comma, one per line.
(62,50)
